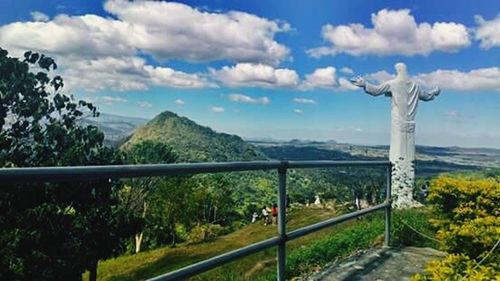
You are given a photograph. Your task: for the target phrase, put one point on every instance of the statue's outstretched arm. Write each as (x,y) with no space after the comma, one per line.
(374,90)
(377,90)
(429,95)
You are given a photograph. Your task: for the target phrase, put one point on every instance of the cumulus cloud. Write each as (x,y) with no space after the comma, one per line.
(345,84)
(256,75)
(488,32)
(298,111)
(174,30)
(473,80)
(39,16)
(394,32)
(247,99)
(126,74)
(144,104)
(346,70)
(379,76)
(180,102)
(304,101)
(217,109)
(169,31)
(321,78)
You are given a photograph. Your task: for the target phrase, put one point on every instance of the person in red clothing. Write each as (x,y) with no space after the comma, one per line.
(274,213)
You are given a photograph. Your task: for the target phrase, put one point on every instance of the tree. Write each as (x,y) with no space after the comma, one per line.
(213,200)
(52,231)
(136,198)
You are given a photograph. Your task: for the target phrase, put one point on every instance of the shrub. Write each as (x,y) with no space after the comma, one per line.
(402,233)
(457,267)
(468,221)
(204,232)
(468,213)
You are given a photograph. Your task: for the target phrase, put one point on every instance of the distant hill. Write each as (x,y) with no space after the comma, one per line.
(114,127)
(193,142)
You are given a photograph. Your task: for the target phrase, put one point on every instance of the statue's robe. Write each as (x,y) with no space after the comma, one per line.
(405,95)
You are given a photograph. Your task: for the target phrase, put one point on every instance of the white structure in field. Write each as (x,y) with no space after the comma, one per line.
(404,94)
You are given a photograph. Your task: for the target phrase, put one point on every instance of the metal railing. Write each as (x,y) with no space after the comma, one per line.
(54,174)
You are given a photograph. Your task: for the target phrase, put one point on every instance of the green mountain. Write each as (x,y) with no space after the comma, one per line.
(193,142)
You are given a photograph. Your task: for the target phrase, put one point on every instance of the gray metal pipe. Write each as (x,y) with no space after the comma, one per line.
(208,264)
(281,253)
(127,171)
(333,164)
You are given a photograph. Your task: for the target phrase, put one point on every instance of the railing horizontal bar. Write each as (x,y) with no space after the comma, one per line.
(128,171)
(31,174)
(208,264)
(332,164)
(331,222)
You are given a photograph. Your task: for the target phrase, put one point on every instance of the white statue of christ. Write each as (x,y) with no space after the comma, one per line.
(405,95)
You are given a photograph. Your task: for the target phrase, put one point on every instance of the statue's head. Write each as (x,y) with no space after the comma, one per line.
(400,68)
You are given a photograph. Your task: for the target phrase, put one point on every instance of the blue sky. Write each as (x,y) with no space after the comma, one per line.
(274,69)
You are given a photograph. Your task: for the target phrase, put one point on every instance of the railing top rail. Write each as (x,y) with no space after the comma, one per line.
(130,171)
(331,164)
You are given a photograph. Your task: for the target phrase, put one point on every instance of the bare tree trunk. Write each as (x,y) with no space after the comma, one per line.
(173,239)
(93,271)
(139,236)
(138,241)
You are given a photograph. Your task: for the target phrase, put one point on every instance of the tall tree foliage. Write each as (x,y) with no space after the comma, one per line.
(136,198)
(52,231)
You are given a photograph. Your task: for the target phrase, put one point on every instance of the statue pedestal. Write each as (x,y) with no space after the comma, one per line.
(403,182)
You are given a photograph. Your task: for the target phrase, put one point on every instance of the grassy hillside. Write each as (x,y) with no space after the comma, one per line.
(304,255)
(151,263)
(192,142)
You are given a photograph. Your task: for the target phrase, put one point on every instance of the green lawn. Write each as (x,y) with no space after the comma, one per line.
(259,266)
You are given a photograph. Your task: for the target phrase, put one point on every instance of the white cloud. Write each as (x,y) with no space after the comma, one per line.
(321,78)
(379,76)
(394,32)
(39,16)
(256,75)
(473,80)
(345,84)
(298,111)
(304,101)
(180,102)
(126,74)
(246,99)
(217,109)
(177,31)
(108,100)
(488,32)
(346,70)
(169,31)
(145,104)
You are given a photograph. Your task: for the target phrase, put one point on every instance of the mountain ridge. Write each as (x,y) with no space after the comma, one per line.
(194,142)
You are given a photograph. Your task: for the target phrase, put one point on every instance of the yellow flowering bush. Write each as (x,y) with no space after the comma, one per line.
(458,267)
(467,215)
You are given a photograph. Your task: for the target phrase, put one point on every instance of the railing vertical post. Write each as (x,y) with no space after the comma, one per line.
(281,255)
(387,240)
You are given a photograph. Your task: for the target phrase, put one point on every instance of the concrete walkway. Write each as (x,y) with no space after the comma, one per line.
(396,264)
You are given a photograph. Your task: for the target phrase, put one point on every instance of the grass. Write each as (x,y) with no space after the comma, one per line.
(304,254)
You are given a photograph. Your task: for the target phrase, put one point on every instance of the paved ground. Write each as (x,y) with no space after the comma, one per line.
(381,265)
